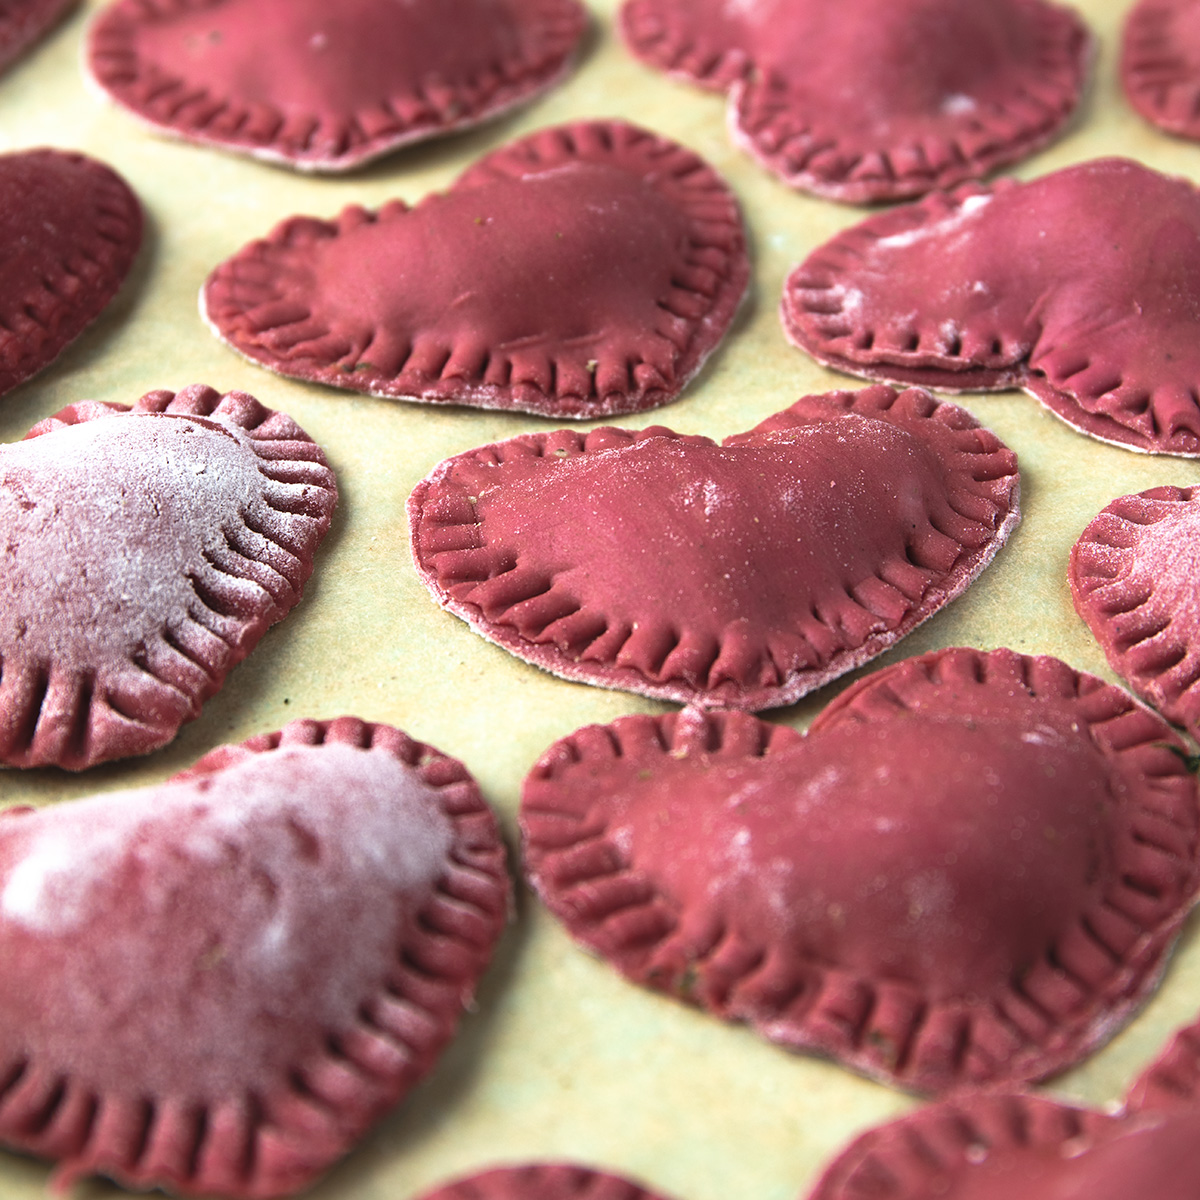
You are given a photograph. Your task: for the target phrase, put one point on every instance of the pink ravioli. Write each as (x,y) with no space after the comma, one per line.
(326,87)
(70,228)
(587,270)
(218,984)
(1160,64)
(541,1181)
(145,551)
(1172,1081)
(1135,579)
(745,573)
(869,100)
(23,22)
(969,872)
(1081,287)
(1019,1147)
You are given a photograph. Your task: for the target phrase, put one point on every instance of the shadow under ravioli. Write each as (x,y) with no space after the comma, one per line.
(747,573)
(1081,287)
(586,270)
(969,872)
(327,87)
(870,100)
(145,551)
(218,984)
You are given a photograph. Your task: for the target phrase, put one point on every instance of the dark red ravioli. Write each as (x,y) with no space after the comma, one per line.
(541,1181)
(587,270)
(327,87)
(969,872)
(1080,287)
(1160,64)
(218,984)
(744,574)
(1019,1147)
(1135,581)
(23,22)
(70,228)
(145,551)
(875,99)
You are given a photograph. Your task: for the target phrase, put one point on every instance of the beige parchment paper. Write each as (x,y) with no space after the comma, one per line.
(560,1058)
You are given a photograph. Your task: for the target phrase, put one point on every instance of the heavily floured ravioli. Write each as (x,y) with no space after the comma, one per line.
(23,22)
(145,551)
(541,1181)
(1135,579)
(1019,1147)
(1160,64)
(1080,287)
(589,269)
(216,985)
(327,87)
(969,871)
(875,99)
(70,228)
(745,573)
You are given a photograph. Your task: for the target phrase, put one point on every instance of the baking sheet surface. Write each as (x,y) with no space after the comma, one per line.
(561,1058)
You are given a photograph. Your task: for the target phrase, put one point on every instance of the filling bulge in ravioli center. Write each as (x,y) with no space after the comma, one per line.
(674,530)
(877,63)
(947,854)
(310,55)
(578,254)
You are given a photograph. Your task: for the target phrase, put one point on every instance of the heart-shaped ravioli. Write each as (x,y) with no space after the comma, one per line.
(1134,578)
(587,270)
(541,1181)
(875,99)
(70,228)
(327,87)
(216,985)
(23,22)
(1080,287)
(746,573)
(145,551)
(1018,1147)
(969,872)
(1160,64)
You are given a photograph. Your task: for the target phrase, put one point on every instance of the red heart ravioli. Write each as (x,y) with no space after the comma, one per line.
(541,1181)
(23,22)
(747,573)
(1134,581)
(1160,64)
(1080,287)
(1018,1147)
(586,270)
(216,985)
(327,88)
(70,228)
(875,99)
(969,871)
(145,552)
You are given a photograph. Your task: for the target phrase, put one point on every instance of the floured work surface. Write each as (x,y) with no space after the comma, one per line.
(563,1058)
